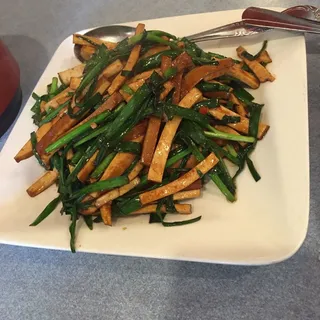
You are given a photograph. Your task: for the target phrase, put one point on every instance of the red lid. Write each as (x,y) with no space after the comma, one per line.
(9,77)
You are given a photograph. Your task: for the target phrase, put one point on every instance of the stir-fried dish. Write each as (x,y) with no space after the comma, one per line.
(144,124)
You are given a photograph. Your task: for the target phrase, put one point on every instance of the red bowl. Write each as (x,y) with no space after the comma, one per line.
(10,91)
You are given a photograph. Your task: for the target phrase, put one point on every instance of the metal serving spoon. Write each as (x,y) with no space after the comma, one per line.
(117,33)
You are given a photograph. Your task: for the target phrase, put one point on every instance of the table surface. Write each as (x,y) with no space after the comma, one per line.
(47,284)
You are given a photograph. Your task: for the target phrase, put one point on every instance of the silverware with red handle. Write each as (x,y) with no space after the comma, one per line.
(265,18)
(256,20)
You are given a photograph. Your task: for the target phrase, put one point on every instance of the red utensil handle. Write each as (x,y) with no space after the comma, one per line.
(265,17)
(304,12)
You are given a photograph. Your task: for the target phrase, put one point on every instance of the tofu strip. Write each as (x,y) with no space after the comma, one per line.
(75,72)
(132,60)
(116,193)
(242,126)
(152,208)
(106,214)
(182,182)
(164,145)
(244,76)
(183,195)
(43,183)
(26,151)
(258,69)
(150,141)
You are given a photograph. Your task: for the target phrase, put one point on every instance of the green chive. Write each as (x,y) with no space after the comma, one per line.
(87,40)
(72,229)
(180,223)
(127,89)
(210,103)
(213,87)
(53,87)
(231,150)
(77,131)
(169,73)
(97,173)
(46,212)
(88,220)
(255,112)
(34,149)
(230,119)
(101,186)
(178,157)
(256,176)
(154,38)
(126,73)
(227,136)
(53,114)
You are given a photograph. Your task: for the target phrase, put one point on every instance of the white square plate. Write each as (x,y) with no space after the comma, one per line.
(267,224)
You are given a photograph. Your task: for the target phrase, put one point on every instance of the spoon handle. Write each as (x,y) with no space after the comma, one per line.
(267,18)
(235,29)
